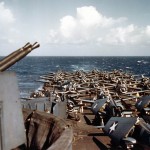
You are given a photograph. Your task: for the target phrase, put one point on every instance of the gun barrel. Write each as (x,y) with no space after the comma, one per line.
(13,54)
(17,55)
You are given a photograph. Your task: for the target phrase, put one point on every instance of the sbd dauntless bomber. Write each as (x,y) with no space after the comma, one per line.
(75,110)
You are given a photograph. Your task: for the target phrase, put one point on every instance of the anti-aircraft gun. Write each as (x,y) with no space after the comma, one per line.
(11,118)
(17,55)
(13,123)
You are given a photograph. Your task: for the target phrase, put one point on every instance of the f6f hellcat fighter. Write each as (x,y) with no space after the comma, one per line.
(128,132)
(143,106)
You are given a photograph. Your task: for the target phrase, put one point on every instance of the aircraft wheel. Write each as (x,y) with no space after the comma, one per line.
(126,146)
(70,106)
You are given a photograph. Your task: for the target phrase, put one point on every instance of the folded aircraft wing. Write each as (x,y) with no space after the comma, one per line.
(98,105)
(143,102)
(118,128)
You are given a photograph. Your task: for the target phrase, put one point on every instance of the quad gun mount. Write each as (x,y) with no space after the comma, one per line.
(57,133)
(17,55)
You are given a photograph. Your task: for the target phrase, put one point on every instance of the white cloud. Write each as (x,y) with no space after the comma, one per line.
(121,35)
(83,27)
(6,16)
(131,34)
(88,16)
(52,37)
(147,30)
(89,26)
(68,26)
(8,32)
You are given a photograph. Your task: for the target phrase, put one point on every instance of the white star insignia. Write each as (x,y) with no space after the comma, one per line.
(95,105)
(113,127)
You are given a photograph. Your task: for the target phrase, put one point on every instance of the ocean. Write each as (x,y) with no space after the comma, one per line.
(30,68)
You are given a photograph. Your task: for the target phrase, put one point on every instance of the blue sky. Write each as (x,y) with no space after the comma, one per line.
(76,27)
